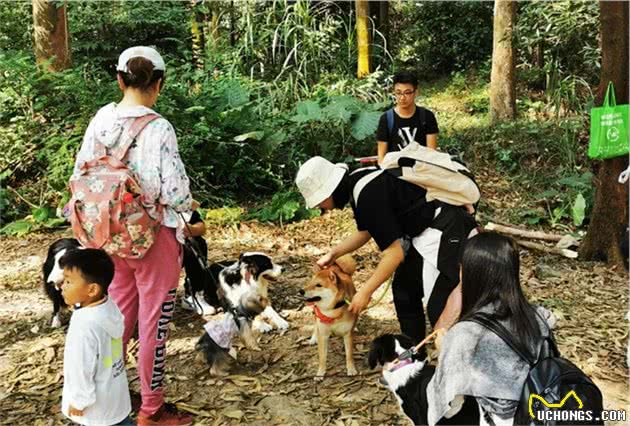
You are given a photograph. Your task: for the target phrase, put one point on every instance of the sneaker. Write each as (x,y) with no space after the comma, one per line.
(166,415)
(198,304)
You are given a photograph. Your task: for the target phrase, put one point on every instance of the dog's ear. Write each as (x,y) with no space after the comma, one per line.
(347,264)
(332,276)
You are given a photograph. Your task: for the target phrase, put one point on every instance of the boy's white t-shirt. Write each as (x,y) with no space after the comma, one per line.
(95,378)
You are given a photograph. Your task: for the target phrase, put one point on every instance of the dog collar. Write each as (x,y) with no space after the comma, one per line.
(324,318)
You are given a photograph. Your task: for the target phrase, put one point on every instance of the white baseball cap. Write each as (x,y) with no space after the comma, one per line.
(318,178)
(145,52)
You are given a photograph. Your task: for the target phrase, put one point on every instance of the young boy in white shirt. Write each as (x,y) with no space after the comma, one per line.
(95,389)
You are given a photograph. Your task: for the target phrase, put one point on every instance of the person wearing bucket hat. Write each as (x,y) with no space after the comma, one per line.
(144,288)
(395,214)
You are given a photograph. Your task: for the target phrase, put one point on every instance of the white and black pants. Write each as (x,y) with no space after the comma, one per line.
(408,294)
(430,270)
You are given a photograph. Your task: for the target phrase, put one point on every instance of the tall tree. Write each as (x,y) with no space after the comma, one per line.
(362,8)
(50,34)
(610,212)
(502,77)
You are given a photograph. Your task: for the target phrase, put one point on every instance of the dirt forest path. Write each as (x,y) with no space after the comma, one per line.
(276,386)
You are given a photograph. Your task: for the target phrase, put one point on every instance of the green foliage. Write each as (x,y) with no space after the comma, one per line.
(223,216)
(336,126)
(578,210)
(558,48)
(438,37)
(284,207)
(40,218)
(101,30)
(278,86)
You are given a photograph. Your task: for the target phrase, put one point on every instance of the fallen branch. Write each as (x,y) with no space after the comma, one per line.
(31,205)
(553,250)
(534,235)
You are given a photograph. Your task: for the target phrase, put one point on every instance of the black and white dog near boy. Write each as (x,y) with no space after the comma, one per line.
(53,276)
(243,294)
(403,379)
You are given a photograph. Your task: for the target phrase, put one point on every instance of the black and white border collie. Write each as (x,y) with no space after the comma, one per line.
(244,295)
(201,280)
(403,379)
(53,276)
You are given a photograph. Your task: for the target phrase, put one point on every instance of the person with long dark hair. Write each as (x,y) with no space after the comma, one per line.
(473,361)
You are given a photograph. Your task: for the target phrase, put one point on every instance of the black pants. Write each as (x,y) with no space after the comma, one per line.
(408,292)
(467,415)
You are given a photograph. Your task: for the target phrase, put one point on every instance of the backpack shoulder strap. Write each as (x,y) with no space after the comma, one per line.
(390,121)
(138,124)
(497,328)
(362,182)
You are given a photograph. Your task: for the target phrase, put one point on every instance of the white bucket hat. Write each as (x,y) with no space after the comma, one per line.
(318,178)
(148,53)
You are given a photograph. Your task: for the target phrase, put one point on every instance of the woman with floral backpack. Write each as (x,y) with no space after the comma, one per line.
(128,187)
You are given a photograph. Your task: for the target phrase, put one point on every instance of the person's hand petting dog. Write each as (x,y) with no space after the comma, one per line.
(359,302)
(324,261)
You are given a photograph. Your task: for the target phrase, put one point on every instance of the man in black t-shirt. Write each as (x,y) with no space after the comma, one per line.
(406,122)
(394,212)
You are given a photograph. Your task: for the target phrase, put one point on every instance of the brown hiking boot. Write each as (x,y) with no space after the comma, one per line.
(166,415)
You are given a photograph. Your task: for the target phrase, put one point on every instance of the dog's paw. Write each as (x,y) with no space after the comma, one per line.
(281,323)
(352,371)
(319,376)
(262,327)
(56,321)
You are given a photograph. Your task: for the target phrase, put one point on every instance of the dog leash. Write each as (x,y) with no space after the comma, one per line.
(380,298)
(202,263)
(414,350)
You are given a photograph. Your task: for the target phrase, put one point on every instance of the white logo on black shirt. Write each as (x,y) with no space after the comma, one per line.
(407,136)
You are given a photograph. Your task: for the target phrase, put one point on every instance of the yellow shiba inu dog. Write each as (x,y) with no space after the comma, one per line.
(328,292)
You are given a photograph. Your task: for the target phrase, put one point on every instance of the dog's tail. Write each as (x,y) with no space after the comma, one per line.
(347,264)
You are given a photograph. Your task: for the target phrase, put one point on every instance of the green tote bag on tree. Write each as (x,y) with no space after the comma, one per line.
(609,128)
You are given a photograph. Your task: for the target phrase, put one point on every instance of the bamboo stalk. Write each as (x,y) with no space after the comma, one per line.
(535,235)
(553,250)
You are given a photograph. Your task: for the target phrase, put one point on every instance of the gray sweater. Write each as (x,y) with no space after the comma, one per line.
(474,361)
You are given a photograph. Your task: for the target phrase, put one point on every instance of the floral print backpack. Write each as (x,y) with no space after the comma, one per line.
(107,208)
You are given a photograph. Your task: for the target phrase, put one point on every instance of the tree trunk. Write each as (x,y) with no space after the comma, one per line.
(363,38)
(502,90)
(50,34)
(610,212)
